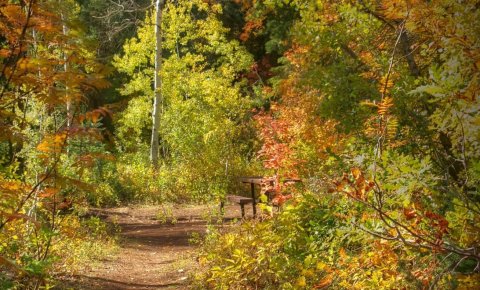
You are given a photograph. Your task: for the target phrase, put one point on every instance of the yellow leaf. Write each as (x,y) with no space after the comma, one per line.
(301,281)
(356,173)
(342,253)
(321,266)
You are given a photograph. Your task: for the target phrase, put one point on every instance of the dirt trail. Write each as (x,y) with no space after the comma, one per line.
(152,254)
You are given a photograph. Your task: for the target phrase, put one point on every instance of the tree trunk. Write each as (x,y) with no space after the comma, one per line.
(65,68)
(154,145)
(408,53)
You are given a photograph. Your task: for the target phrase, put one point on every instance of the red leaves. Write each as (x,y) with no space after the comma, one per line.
(439,223)
(278,155)
(324,283)
(422,227)
(354,185)
(88,160)
(95,115)
(296,55)
(276,149)
(274,188)
(250,28)
(48,192)
(280,199)
(409,213)
(19,216)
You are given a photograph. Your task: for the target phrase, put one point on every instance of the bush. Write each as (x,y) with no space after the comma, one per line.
(312,243)
(71,246)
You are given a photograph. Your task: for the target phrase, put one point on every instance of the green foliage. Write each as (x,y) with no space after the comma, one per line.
(74,244)
(399,85)
(204,106)
(374,104)
(48,72)
(310,244)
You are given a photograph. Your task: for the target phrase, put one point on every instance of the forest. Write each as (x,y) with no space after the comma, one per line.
(125,123)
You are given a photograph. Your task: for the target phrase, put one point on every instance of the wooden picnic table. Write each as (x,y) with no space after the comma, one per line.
(252,180)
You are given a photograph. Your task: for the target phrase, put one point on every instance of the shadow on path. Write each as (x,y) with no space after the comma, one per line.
(84,282)
(152,255)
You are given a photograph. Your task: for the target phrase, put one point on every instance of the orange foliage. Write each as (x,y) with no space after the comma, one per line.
(291,122)
(32,75)
(250,28)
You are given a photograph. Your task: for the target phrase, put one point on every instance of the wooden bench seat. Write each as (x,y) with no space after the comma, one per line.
(240,200)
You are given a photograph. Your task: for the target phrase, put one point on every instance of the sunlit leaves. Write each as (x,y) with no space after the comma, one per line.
(402,80)
(357,187)
(45,76)
(204,106)
(94,116)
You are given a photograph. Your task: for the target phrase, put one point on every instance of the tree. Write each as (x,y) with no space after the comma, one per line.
(35,88)
(111,22)
(397,194)
(157,103)
(204,101)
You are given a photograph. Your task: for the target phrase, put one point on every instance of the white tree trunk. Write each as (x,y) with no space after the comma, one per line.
(157,104)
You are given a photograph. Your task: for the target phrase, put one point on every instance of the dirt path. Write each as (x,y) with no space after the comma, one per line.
(152,254)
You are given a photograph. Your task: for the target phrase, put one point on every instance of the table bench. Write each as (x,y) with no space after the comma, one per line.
(240,200)
(252,180)
(261,180)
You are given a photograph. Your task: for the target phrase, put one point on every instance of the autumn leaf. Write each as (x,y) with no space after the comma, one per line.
(325,282)
(356,172)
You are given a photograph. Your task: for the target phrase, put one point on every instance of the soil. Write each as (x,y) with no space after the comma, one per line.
(155,251)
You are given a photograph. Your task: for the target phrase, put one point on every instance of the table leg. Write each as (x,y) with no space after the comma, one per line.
(222,207)
(254,203)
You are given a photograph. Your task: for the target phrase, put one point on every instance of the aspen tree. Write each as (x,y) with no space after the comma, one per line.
(157,103)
